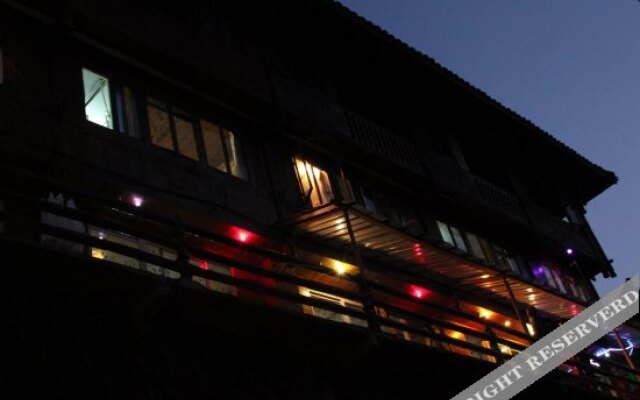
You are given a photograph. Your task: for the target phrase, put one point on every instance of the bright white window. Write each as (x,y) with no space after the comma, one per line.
(97,99)
(444,232)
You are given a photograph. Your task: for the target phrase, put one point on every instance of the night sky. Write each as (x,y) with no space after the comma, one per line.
(572,67)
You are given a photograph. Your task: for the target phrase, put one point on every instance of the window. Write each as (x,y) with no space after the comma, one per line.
(127,107)
(171,129)
(453,236)
(445,234)
(474,245)
(550,277)
(97,99)
(575,289)
(110,105)
(314,183)
(159,126)
(505,261)
(223,150)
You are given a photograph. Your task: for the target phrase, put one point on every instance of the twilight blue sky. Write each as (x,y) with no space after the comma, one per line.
(572,67)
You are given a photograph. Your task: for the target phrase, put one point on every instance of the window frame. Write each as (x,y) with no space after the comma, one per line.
(313,183)
(117,101)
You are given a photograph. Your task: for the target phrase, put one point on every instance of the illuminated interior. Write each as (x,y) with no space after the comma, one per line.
(97,99)
(314,183)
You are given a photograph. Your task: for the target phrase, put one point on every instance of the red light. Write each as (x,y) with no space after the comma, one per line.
(418,292)
(241,235)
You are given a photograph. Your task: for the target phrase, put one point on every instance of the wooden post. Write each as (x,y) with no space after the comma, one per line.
(374,325)
(514,303)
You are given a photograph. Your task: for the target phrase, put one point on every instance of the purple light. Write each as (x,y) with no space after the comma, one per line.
(538,271)
(569,251)
(137,201)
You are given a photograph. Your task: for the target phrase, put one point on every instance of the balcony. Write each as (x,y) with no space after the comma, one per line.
(388,245)
(462,186)
(141,237)
(383,142)
(561,232)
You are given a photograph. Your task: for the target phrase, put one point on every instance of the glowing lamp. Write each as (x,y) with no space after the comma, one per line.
(241,235)
(530,329)
(485,276)
(569,251)
(137,200)
(456,335)
(484,313)
(418,292)
(507,323)
(340,268)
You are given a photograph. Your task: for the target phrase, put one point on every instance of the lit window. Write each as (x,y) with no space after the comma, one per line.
(159,126)
(171,129)
(223,150)
(458,239)
(97,99)
(445,234)
(213,145)
(234,155)
(314,183)
(185,137)
(452,236)
(505,261)
(474,244)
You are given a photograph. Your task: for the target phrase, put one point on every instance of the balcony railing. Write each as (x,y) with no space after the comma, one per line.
(449,176)
(230,261)
(559,231)
(383,142)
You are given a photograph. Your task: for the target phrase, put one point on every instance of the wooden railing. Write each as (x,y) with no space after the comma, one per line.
(452,179)
(382,141)
(119,234)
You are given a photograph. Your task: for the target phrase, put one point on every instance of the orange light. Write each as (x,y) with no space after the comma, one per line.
(484,313)
(507,323)
(456,335)
(485,276)
(338,267)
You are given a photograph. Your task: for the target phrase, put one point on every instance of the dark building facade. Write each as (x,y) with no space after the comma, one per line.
(277,199)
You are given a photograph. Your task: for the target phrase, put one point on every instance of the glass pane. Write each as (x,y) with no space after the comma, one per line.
(474,243)
(457,237)
(237,166)
(159,127)
(97,100)
(130,111)
(314,183)
(213,145)
(444,232)
(185,137)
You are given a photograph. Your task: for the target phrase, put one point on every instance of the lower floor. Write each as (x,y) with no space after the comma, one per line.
(76,329)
